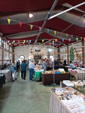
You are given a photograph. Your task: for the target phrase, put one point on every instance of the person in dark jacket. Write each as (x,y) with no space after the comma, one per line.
(23,70)
(18,65)
(65,64)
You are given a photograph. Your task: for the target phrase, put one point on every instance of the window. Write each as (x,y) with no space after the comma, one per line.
(21,58)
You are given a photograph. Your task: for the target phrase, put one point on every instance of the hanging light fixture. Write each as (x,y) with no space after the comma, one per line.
(30,15)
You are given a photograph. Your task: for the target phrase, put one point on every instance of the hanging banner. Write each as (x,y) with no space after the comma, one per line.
(71,36)
(24,42)
(8,41)
(55,32)
(13,42)
(76,39)
(18,41)
(50,39)
(20,23)
(29,41)
(81,38)
(69,39)
(61,34)
(84,38)
(66,35)
(39,28)
(31,26)
(48,30)
(9,20)
(55,40)
(9,44)
(63,40)
(42,41)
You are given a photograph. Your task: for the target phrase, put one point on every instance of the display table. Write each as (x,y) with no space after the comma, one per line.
(38,74)
(78,85)
(47,79)
(56,106)
(64,67)
(75,103)
(78,74)
(2,80)
(7,74)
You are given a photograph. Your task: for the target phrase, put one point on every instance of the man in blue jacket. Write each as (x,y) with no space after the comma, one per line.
(13,70)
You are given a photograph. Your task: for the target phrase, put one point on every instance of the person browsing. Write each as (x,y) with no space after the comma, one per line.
(31,69)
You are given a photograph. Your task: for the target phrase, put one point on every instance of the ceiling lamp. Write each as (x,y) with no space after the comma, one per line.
(30,15)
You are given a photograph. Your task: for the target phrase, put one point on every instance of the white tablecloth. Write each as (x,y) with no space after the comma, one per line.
(7,74)
(39,70)
(56,105)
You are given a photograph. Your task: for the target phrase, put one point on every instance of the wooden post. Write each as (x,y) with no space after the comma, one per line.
(13,55)
(9,53)
(83,52)
(2,54)
(58,53)
(67,54)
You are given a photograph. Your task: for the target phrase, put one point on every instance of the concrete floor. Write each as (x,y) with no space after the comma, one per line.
(24,97)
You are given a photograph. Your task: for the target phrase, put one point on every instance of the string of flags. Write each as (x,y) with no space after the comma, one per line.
(20,42)
(20,24)
(23,42)
(48,31)
(70,37)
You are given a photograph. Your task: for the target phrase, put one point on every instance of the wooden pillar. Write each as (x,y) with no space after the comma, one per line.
(83,52)
(2,54)
(9,53)
(67,54)
(58,53)
(13,55)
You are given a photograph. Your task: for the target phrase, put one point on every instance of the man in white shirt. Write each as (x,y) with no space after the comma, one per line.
(72,65)
(8,62)
(31,69)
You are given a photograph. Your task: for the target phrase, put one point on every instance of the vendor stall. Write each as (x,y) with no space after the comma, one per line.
(79,74)
(64,100)
(2,80)
(7,74)
(38,74)
(78,85)
(47,77)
